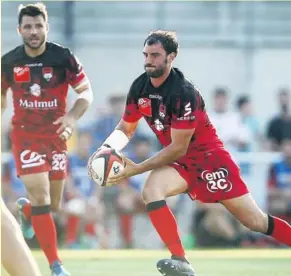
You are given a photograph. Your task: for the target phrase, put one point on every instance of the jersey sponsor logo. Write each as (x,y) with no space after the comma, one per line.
(34,64)
(145,106)
(162,111)
(188,118)
(30,159)
(35,90)
(152,96)
(21,74)
(188,109)
(38,104)
(217,180)
(187,115)
(59,162)
(47,73)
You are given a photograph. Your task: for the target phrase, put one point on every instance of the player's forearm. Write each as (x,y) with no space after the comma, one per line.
(127,128)
(121,136)
(164,157)
(85,98)
(79,108)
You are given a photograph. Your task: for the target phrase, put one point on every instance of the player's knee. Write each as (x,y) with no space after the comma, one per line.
(39,197)
(55,206)
(257,223)
(151,193)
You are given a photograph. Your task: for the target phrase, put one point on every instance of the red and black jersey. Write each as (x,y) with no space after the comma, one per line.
(175,104)
(39,87)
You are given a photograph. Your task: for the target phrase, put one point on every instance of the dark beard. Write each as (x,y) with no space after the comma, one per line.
(157,73)
(26,43)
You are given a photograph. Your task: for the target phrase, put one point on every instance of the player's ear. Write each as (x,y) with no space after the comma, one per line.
(18,30)
(172,57)
(47,27)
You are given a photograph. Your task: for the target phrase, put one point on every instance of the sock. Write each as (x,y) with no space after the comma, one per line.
(164,221)
(126,228)
(90,229)
(280,230)
(45,231)
(27,211)
(72,226)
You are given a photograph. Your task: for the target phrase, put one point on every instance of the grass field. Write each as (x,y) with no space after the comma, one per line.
(258,262)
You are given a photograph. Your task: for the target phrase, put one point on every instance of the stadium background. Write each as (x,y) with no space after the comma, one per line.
(241,46)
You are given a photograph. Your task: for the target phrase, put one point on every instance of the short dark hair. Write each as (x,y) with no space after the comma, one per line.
(242,100)
(168,39)
(220,91)
(32,10)
(283,91)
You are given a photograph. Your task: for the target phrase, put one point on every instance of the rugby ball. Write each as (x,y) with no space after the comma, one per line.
(105,163)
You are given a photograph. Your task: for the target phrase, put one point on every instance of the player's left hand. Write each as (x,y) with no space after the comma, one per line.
(67,124)
(129,170)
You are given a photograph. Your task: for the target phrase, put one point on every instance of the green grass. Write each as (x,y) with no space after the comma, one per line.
(257,262)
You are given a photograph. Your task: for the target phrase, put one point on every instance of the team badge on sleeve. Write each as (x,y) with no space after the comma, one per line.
(21,74)
(145,106)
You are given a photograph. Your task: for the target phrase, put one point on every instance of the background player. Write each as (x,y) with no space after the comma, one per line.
(15,254)
(193,159)
(39,74)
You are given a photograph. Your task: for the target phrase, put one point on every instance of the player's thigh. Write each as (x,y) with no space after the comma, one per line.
(245,209)
(162,183)
(30,155)
(56,193)
(59,162)
(38,187)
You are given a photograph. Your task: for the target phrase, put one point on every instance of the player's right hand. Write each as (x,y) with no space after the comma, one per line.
(66,128)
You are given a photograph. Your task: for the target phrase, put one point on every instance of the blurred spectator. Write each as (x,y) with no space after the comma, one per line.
(247,117)
(214,227)
(280,184)
(279,127)
(230,129)
(12,186)
(84,204)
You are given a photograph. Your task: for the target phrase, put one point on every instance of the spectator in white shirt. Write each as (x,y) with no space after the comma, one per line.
(230,129)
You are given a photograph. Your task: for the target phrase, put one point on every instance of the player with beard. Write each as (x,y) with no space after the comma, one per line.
(39,74)
(193,159)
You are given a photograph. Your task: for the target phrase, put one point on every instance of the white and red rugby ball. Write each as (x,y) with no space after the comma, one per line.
(104,164)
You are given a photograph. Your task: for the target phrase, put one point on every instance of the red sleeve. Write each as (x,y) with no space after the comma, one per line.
(131,112)
(5,83)
(272,181)
(75,71)
(186,109)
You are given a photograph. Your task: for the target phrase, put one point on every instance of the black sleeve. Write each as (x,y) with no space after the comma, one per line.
(75,72)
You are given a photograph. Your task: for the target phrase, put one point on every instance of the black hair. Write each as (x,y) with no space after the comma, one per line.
(32,10)
(168,39)
(220,92)
(241,101)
